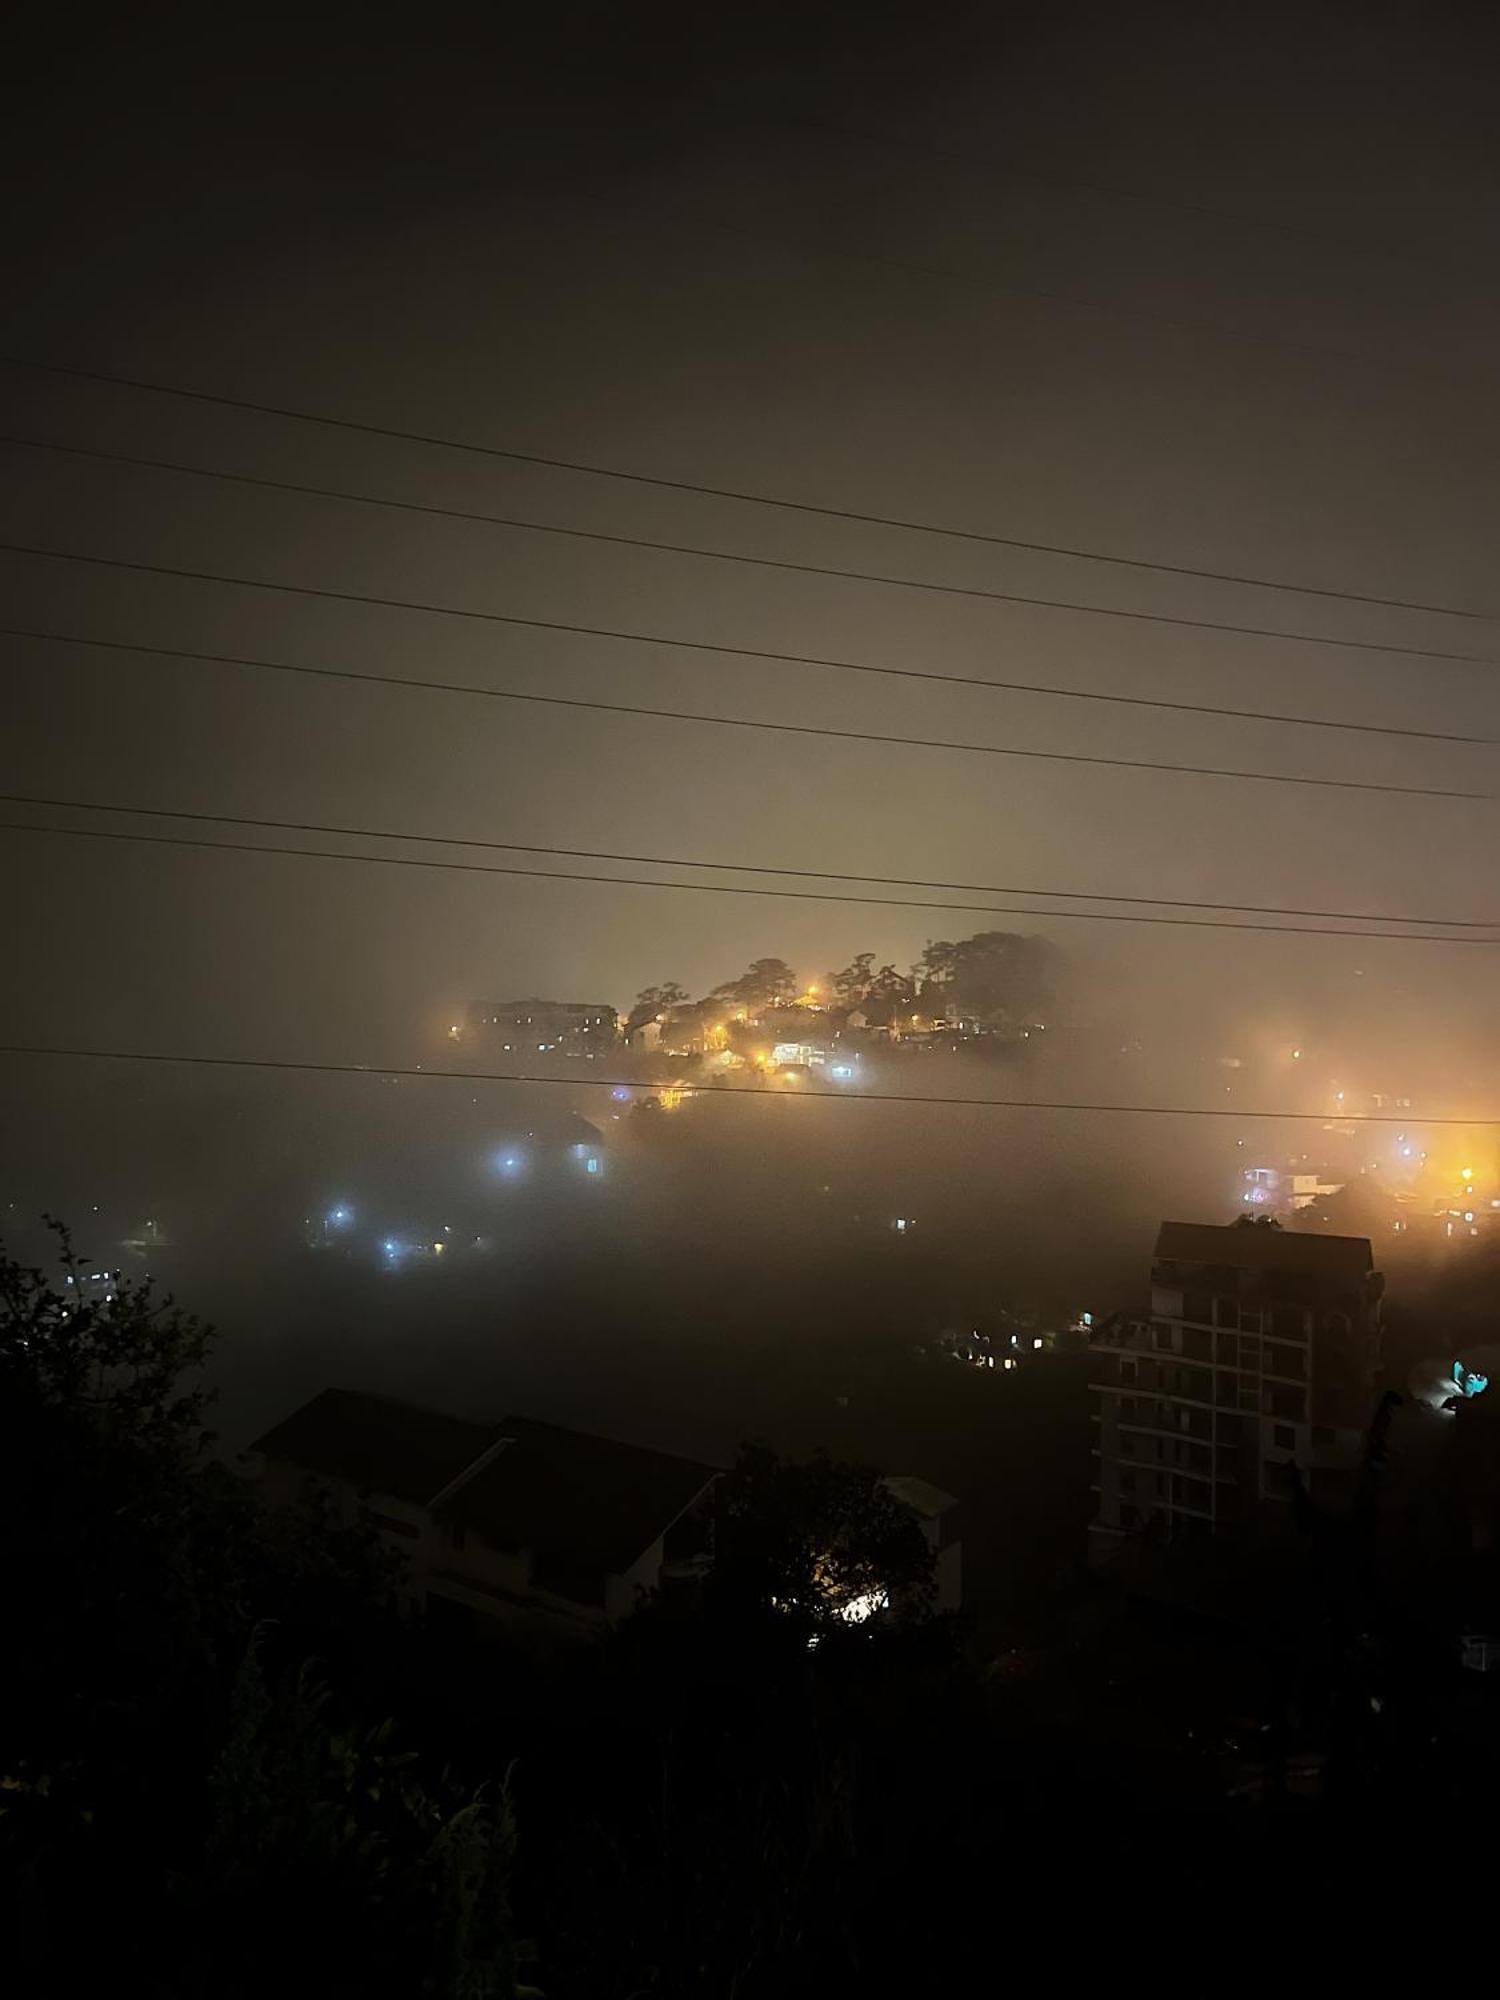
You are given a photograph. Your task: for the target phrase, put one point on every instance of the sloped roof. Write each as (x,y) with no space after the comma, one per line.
(920,1495)
(1259,1247)
(588,1502)
(378,1445)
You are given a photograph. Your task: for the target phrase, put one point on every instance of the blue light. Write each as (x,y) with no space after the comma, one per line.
(509,1163)
(842,1071)
(1471,1385)
(621,1095)
(591,1164)
(340,1217)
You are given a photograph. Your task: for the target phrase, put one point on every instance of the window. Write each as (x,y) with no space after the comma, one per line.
(1127,1482)
(1322,1434)
(1284,1437)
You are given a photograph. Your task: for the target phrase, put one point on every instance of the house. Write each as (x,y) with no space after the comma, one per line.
(938,1513)
(517,1519)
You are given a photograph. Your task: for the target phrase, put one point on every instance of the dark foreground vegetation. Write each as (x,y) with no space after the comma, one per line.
(229,1766)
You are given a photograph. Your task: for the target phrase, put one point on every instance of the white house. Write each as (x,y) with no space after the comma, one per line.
(511,1519)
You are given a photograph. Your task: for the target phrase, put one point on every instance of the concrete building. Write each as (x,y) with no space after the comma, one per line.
(545,1027)
(1261,1352)
(941,1518)
(518,1520)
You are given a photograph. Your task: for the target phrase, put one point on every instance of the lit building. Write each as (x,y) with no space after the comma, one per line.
(1260,1354)
(545,1027)
(804,1055)
(1278,1191)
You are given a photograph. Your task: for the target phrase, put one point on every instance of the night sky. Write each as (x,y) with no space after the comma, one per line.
(1208,286)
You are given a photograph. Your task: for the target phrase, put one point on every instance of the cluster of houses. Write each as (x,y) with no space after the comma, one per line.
(805,1033)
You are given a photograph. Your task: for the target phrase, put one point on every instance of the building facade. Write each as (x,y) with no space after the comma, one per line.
(545,1027)
(1260,1354)
(515,1520)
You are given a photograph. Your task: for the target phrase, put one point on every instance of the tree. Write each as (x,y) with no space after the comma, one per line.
(654,1000)
(326,1848)
(998,976)
(821,1543)
(768,982)
(139,1568)
(852,986)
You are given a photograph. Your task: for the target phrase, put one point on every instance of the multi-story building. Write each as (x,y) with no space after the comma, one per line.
(545,1027)
(1260,1354)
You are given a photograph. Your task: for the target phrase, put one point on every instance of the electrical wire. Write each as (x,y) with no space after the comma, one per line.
(750,498)
(824,662)
(701,888)
(758,562)
(660,714)
(737,867)
(937,1101)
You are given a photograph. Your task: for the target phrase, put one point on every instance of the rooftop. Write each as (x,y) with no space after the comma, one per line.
(555,1006)
(920,1495)
(378,1445)
(1257,1246)
(590,1501)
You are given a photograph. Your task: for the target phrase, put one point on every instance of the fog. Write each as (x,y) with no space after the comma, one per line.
(1187,292)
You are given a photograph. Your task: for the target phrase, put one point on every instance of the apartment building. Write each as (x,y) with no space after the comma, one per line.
(1260,1353)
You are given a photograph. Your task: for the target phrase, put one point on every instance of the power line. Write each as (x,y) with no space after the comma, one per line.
(726,1091)
(753,499)
(762,562)
(660,714)
(823,661)
(726,867)
(706,888)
